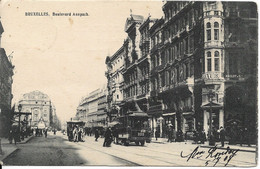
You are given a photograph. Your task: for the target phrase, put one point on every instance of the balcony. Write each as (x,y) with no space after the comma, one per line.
(214,43)
(213,76)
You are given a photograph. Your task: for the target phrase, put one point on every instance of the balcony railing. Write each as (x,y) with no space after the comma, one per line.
(213,76)
(215,43)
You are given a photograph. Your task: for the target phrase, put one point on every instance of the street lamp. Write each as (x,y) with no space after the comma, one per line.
(19,130)
(211,137)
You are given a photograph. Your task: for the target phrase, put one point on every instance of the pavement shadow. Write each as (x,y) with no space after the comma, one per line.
(50,151)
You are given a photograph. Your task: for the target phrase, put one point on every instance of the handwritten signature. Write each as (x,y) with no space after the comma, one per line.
(212,155)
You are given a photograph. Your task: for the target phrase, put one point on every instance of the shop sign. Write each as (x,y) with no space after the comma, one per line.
(236,76)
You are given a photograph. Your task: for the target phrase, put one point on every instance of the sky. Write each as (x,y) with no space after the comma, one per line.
(64,56)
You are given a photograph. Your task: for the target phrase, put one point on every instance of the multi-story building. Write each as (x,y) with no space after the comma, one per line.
(201,66)
(93,108)
(229,69)
(6,73)
(115,82)
(135,85)
(40,107)
(200,55)
(155,102)
(102,108)
(172,73)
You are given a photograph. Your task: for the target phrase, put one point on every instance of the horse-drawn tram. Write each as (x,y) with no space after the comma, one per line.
(133,127)
(71,125)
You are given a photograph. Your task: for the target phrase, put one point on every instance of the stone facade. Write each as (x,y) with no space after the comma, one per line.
(195,63)
(6,81)
(41,107)
(93,108)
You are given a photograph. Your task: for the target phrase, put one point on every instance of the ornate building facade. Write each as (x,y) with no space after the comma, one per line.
(195,68)
(115,82)
(41,107)
(6,81)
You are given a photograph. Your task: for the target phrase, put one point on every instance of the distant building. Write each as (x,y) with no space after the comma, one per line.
(6,81)
(93,108)
(41,107)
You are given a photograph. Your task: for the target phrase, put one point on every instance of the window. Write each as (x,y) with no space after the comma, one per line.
(216,31)
(215,12)
(191,44)
(208,31)
(209,61)
(216,61)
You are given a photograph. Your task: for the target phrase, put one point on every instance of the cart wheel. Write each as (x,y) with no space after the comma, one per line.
(137,143)
(142,143)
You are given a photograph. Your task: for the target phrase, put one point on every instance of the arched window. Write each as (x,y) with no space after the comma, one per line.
(209,61)
(208,31)
(216,60)
(208,25)
(216,31)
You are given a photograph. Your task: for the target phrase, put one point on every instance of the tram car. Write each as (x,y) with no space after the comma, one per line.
(133,127)
(70,127)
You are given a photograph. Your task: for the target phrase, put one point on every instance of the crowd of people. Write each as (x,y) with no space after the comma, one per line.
(16,135)
(76,134)
(231,135)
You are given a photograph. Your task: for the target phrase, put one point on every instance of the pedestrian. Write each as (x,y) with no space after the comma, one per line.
(174,135)
(79,135)
(222,136)
(195,136)
(16,136)
(22,134)
(82,134)
(179,136)
(203,136)
(115,135)
(157,133)
(96,135)
(75,134)
(169,134)
(10,138)
(108,138)
(45,133)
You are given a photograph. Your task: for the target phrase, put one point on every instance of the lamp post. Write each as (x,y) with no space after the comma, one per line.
(19,127)
(211,137)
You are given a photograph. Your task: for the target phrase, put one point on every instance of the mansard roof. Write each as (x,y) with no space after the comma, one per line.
(36,95)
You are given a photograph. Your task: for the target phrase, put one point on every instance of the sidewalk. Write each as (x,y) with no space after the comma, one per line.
(206,145)
(8,149)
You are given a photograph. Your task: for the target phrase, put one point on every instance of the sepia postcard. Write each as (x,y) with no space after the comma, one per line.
(123,83)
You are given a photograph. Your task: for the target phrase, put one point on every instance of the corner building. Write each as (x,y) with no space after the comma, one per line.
(196,63)
(203,57)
